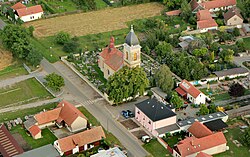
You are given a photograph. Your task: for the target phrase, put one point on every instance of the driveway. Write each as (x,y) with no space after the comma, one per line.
(239,60)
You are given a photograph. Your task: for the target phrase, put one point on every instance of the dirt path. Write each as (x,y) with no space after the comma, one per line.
(96,21)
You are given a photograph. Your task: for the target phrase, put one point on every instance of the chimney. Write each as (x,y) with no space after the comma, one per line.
(111,43)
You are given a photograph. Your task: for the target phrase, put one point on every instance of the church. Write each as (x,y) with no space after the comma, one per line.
(112,59)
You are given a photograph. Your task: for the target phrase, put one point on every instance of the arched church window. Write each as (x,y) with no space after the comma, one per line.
(127,55)
(135,56)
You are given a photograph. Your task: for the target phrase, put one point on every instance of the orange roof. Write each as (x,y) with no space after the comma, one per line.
(48,116)
(206,23)
(203,15)
(69,113)
(29,10)
(34,130)
(112,56)
(180,91)
(199,130)
(193,145)
(173,13)
(189,88)
(18,5)
(202,154)
(218,3)
(82,138)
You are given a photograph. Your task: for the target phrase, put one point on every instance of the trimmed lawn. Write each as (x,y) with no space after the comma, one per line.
(221,97)
(247,43)
(12,71)
(6,116)
(63,6)
(156,149)
(26,91)
(47,137)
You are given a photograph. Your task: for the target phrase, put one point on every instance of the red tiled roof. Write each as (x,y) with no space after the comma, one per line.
(204,15)
(173,13)
(189,88)
(218,3)
(82,138)
(207,24)
(29,10)
(180,91)
(199,130)
(193,145)
(232,12)
(18,5)
(34,130)
(8,145)
(48,116)
(112,56)
(202,154)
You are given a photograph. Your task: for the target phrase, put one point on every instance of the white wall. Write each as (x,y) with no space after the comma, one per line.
(56,145)
(31,17)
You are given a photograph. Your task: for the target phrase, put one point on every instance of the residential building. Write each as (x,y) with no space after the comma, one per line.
(154,115)
(191,93)
(8,145)
(27,14)
(202,140)
(80,142)
(205,22)
(111,59)
(64,115)
(233,18)
(111,152)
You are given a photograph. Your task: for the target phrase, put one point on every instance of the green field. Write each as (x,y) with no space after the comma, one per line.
(23,92)
(47,137)
(156,149)
(247,43)
(63,6)
(12,71)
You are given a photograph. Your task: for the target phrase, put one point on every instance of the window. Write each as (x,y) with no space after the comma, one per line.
(235,19)
(138,112)
(135,56)
(149,122)
(108,72)
(127,55)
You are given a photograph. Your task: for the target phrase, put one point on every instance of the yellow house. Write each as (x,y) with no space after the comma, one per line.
(112,59)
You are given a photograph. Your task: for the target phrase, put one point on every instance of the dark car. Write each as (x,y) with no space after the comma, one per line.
(130,114)
(125,114)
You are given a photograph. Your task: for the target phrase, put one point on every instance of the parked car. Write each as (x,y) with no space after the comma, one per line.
(145,139)
(130,114)
(125,114)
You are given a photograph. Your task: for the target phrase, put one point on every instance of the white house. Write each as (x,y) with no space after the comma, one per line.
(191,93)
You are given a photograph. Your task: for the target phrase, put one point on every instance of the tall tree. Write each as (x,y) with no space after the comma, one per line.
(163,79)
(127,82)
(176,100)
(186,11)
(236,90)
(54,81)
(203,109)
(226,55)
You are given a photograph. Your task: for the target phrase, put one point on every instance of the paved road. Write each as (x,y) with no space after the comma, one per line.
(239,60)
(79,91)
(14,80)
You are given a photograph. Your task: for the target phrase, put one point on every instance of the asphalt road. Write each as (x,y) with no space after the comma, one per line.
(80,91)
(240,60)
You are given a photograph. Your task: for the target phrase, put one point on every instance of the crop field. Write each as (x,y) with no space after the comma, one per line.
(94,22)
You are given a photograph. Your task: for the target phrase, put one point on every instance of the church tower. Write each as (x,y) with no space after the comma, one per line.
(132,50)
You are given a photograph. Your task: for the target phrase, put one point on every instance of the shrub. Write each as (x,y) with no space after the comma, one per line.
(62,37)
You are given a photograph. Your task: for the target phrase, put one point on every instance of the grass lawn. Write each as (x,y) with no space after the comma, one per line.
(6,116)
(63,6)
(26,91)
(156,149)
(221,97)
(110,138)
(247,43)
(171,141)
(48,137)
(12,71)
(100,4)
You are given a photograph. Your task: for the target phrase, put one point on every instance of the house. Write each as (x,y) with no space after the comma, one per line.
(212,6)
(202,140)
(246,29)
(64,115)
(191,93)
(231,73)
(185,41)
(154,115)
(112,59)
(233,18)
(111,152)
(80,142)
(8,145)
(205,22)
(173,13)
(27,14)
(44,151)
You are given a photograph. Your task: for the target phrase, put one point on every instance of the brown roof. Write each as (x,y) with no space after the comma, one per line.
(231,13)
(206,23)
(193,145)
(204,15)
(199,130)
(48,116)
(18,5)
(228,72)
(112,56)
(8,145)
(173,13)
(29,10)
(202,154)
(34,130)
(189,88)
(82,138)
(194,4)
(218,3)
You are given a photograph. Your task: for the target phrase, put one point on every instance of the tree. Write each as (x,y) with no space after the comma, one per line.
(236,32)
(172,4)
(236,90)
(54,81)
(244,6)
(31,30)
(226,55)
(214,47)
(200,52)
(71,46)
(34,57)
(186,10)
(240,45)
(176,100)
(203,109)
(62,37)
(196,44)
(212,57)
(163,78)
(208,38)
(163,49)
(127,82)
(246,137)
(212,108)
